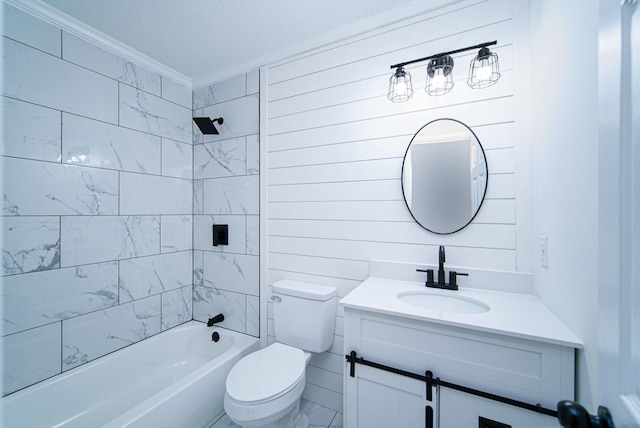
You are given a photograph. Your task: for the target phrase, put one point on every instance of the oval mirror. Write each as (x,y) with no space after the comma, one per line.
(444,176)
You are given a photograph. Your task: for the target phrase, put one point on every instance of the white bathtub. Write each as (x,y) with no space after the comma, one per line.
(174,379)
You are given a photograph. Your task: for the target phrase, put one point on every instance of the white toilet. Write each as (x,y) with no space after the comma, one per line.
(264,388)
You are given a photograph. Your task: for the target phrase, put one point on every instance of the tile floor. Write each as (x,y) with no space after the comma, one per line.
(319,417)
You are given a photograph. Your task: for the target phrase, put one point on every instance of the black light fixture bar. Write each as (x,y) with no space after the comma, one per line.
(480,46)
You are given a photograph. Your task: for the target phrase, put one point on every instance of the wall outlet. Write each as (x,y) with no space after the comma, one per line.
(544,251)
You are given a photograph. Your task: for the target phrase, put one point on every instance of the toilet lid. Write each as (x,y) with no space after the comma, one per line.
(266,373)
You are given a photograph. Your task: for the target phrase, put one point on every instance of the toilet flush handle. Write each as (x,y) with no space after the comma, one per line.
(276,299)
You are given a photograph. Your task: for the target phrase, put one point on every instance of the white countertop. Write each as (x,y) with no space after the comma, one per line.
(511,314)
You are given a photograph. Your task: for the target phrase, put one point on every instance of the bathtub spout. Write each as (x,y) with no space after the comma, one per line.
(218,318)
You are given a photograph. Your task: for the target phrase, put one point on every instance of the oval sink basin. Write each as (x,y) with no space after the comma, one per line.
(444,303)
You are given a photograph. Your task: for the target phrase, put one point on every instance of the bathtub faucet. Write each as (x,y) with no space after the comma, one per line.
(218,318)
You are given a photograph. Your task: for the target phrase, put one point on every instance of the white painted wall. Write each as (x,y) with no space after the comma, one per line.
(336,146)
(565,147)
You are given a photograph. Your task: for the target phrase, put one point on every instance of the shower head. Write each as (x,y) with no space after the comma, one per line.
(206,125)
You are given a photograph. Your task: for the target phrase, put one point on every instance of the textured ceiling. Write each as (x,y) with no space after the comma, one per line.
(198,37)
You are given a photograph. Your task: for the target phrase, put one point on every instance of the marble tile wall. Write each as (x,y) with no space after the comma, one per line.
(226,191)
(97,206)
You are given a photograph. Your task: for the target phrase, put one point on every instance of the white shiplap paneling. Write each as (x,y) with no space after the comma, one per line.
(475,235)
(472,257)
(485,112)
(335,152)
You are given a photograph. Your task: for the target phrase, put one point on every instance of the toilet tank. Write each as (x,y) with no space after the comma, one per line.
(304,314)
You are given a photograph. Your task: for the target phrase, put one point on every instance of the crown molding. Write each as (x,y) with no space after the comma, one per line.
(371,23)
(79,29)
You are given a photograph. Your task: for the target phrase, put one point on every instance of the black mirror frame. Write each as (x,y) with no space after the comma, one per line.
(402,177)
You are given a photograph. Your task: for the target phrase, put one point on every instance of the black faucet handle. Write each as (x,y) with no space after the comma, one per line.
(429,275)
(453,277)
(441,255)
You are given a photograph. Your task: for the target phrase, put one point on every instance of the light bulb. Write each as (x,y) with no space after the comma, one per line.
(484,71)
(403,86)
(439,80)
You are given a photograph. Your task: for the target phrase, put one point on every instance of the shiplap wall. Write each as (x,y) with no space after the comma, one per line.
(336,146)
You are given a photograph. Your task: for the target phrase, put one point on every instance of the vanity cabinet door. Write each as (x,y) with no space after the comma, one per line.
(375,398)
(524,370)
(458,409)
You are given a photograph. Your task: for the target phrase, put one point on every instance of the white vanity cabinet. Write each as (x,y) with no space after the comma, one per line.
(522,369)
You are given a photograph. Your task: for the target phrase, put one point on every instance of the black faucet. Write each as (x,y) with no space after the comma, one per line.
(441,283)
(218,318)
(441,260)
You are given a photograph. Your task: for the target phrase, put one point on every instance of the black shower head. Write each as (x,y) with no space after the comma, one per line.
(206,124)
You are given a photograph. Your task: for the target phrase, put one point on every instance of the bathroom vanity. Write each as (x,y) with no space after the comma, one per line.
(420,357)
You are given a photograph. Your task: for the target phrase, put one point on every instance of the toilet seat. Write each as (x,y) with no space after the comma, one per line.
(266,374)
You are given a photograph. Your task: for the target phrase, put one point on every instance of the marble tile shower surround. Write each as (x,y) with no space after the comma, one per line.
(108,212)
(226,191)
(30,244)
(97,207)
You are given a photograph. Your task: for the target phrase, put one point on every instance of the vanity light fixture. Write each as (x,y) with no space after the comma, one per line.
(439,76)
(483,72)
(400,89)
(206,125)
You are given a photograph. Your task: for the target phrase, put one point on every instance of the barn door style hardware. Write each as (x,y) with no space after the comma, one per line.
(430,381)
(352,358)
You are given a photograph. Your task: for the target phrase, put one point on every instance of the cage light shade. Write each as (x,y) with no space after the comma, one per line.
(484,69)
(400,88)
(439,76)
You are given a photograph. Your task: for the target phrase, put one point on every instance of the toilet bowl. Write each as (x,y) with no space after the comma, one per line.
(264,388)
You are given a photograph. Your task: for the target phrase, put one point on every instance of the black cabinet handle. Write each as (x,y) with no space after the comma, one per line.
(428,417)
